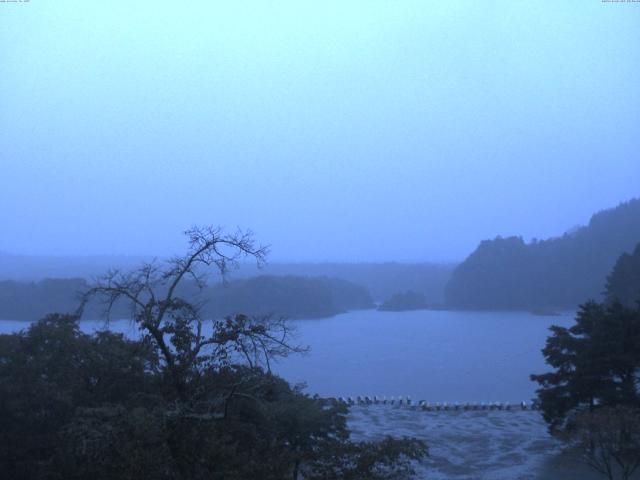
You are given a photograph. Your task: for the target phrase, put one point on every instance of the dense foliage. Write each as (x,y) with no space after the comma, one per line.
(623,284)
(591,399)
(100,406)
(190,399)
(507,273)
(596,362)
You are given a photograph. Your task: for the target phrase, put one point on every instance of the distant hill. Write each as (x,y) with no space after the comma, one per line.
(288,296)
(33,300)
(408,300)
(507,273)
(381,279)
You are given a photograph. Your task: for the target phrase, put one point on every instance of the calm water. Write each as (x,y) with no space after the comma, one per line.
(433,355)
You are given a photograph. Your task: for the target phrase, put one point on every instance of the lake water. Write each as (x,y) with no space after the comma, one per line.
(433,355)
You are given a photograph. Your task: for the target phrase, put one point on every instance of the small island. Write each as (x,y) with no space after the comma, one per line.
(409,300)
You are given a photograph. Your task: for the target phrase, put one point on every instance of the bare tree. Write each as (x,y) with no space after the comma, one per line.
(607,439)
(174,324)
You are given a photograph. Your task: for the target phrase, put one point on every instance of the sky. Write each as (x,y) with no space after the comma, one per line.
(335,131)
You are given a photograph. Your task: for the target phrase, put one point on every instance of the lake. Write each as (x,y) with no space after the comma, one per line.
(433,355)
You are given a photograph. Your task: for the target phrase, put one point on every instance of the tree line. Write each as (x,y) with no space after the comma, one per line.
(289,296)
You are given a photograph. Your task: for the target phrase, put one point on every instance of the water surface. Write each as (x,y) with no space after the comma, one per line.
(434,355)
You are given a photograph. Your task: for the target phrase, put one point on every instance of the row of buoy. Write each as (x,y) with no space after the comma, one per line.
(427,406)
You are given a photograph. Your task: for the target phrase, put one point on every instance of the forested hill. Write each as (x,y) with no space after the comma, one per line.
(288,296)
(507,273)
(381,279)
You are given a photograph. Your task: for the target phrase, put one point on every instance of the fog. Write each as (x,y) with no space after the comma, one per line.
(336,131)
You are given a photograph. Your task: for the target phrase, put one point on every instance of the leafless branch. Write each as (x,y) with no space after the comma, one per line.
(176,325)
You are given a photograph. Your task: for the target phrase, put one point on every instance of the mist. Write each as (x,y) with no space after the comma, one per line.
(320,240)
(359,131)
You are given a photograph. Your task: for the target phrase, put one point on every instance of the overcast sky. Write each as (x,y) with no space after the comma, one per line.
(347,131)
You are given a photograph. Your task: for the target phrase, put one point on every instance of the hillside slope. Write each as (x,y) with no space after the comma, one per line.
(507,273)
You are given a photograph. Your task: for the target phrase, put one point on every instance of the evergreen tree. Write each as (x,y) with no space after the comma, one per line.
(623,284)
(596,363)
